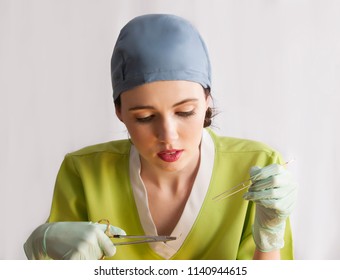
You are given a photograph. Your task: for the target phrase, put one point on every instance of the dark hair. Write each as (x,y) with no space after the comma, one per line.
(209,114)
(208,117)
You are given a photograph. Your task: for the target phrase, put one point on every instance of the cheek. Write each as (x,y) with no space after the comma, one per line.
(139,134)
(198,119)
(192,128)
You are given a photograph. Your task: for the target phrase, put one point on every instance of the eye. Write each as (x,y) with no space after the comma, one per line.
(186,113)
(145,119)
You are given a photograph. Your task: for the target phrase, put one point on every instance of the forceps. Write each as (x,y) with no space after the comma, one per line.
(139,238)
(241,186)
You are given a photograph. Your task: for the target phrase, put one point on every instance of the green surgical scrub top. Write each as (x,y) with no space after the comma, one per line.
(93,183)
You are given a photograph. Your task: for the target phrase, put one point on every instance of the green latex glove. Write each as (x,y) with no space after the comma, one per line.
(274,192)
(70,241)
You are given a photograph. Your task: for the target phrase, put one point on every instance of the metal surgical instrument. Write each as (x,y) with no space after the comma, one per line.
(233,190)
(241,186)
(137,238)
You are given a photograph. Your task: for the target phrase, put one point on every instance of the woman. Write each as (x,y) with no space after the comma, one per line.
(164,179)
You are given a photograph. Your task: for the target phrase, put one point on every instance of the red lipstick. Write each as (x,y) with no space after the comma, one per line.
(170,155)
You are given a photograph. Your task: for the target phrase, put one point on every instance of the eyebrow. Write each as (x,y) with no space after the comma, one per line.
(143,107)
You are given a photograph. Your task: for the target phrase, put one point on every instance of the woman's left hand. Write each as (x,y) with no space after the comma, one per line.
(274,191)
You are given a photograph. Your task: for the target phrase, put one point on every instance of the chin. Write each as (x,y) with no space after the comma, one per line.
(172,167)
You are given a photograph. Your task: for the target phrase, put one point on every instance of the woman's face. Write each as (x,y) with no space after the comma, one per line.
(165,121)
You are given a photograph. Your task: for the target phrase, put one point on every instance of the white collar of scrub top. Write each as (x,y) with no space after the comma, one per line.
(192,207)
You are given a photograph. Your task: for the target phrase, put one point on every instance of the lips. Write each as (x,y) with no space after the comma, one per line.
(170,155)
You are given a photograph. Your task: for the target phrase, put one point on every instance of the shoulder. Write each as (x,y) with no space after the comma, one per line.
(117,147)
(224,144)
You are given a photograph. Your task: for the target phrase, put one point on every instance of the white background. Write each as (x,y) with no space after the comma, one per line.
(276,79)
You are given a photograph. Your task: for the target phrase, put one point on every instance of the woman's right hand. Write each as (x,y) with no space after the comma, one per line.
(71,241)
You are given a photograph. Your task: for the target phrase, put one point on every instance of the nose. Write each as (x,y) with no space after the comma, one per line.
(167,130)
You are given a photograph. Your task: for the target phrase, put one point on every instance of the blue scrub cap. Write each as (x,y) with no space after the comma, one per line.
(158,47)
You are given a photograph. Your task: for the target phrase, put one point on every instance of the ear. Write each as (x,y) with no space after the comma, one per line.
(118,111)
(208,99)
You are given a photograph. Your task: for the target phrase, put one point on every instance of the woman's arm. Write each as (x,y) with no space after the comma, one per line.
(273,255)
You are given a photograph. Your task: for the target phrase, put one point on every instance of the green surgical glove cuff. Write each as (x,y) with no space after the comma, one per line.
(269,239)
(35,245)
